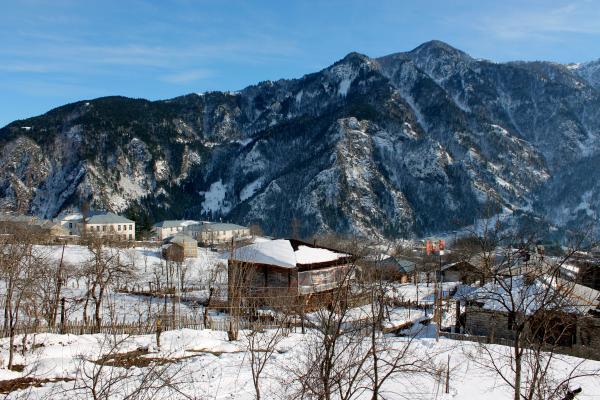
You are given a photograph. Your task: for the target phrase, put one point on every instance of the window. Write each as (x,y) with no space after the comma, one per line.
(130,227)
(130,236)
(70,224)
(511,320)
(103,228)
(119,227)
(98,228)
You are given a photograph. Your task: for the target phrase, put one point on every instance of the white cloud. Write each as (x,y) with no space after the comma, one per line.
(188,76)
(579,17)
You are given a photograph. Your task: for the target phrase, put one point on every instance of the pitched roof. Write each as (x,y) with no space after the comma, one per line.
(174,223)
(217,226)
(281,253)
(108,218)
(565,295)
(181,239)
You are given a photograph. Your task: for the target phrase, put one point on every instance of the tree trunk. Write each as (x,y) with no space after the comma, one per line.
(518,366)
(54,309)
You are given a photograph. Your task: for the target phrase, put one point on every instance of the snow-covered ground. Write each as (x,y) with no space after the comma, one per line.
(148,268)
(203,364)
(422,293)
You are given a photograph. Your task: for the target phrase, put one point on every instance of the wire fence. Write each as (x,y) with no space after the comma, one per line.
(221,323)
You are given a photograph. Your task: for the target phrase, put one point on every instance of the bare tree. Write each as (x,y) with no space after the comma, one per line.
(107,265)
(526,303)
(19,266)
(261,344)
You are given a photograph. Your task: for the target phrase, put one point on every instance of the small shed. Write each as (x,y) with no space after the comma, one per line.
(179,247)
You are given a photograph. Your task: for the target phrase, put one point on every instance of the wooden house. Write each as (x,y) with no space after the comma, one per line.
(573,319)
(288,269)
(390,268)
(461,271)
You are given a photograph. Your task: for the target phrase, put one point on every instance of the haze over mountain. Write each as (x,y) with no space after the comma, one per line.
(408,144)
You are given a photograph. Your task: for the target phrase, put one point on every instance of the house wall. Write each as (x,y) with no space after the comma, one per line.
(124,231)
(451,276)
(488,323)
(190,249)
(173,253)
(483,322)
(73,226)
(223,236)
(164,233)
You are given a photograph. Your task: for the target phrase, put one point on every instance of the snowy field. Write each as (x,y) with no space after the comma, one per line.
(204,365)
(147,268)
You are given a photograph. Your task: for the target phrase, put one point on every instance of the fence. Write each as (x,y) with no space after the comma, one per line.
(134,328)
(220,323)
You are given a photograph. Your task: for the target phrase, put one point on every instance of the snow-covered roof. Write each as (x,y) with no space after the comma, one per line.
(275,252)
(72,217)
(530,296)
(174,223)
(181,239)
(314,255)
(281,253)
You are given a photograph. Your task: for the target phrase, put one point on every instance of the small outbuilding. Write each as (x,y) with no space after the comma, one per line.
(179,247)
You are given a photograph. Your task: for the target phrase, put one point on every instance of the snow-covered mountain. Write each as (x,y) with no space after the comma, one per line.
(410,143)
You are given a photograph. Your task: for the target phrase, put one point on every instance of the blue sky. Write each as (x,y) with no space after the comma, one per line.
(59,51)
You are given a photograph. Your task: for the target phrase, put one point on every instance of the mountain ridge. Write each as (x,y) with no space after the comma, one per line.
(405,144)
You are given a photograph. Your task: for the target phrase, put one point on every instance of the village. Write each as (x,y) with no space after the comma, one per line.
(91,277)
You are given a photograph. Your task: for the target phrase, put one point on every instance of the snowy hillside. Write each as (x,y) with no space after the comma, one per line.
(407,144)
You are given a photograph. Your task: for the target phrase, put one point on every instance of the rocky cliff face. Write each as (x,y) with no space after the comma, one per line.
(411,143)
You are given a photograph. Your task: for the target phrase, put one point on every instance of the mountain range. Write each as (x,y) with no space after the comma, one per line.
(410,144)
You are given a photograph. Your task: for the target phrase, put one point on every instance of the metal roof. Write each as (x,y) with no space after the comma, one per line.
(174,223)
(217,226)
(108,218)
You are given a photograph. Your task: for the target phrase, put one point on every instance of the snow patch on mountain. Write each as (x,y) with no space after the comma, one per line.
(214,198)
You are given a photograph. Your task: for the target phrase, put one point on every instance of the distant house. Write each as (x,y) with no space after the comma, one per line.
(168,228)
(72,223)
(110,225)
(11,222)
(461,271)
(290,269)
(179,247)
(217,232)
(392,268)
(575,314)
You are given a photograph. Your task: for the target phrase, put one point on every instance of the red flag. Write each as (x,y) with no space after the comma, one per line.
(429,247)
(442,245)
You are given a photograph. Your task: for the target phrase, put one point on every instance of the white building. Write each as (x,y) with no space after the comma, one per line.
(110,224)
(169,228)
(217,232)
(72,223)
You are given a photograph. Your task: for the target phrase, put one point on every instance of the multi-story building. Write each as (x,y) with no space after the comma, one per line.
(170,228)
(110,225)
(217,232)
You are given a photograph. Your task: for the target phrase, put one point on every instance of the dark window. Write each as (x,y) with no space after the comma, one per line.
(511,320)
